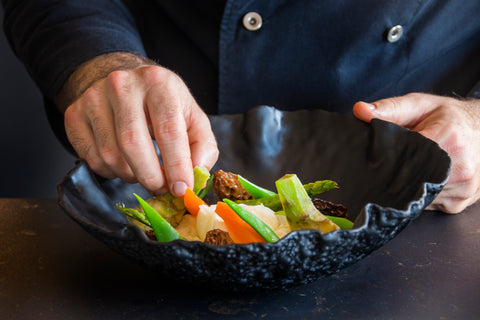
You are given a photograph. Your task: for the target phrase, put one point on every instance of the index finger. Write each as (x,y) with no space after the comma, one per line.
(167,113)
(133,135)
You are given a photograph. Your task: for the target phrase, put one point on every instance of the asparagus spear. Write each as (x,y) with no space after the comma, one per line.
(134,214)
(299,208)
(273,202)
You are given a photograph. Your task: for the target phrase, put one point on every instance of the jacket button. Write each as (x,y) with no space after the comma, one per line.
(394,33)
(252,21)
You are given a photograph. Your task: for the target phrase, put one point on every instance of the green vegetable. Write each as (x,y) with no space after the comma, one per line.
(341,222)
(274,203)
(258,225)
(135,214)
(171,208)
(164,232)
(200,177)
(318,187)
(202,193)
(299,208)
(255,191)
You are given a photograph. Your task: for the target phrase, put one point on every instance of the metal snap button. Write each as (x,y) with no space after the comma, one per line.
(252,21)
(394,33)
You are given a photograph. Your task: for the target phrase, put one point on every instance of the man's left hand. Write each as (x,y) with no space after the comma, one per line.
(454,124)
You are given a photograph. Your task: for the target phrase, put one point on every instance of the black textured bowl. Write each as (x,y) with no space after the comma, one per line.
(387,176)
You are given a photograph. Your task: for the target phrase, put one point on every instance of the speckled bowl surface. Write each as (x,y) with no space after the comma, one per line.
(387,176)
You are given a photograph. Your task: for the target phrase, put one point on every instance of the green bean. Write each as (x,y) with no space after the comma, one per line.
(273,202)
(255,191)
(258,225)
(164,232)
(341,222)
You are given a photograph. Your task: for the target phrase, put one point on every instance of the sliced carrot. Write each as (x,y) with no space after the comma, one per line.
(192,202)
(239,230)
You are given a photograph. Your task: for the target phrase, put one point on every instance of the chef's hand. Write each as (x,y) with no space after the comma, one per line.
(112,123)
(454,124)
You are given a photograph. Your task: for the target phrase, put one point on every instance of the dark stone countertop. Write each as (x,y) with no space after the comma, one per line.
(50,268)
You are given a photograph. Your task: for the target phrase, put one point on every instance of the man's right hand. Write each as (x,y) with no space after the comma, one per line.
(112,123)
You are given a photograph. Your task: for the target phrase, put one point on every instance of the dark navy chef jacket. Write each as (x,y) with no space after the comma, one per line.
(305,53)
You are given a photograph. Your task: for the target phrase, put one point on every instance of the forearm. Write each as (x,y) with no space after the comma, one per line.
(54,37)
(93,70)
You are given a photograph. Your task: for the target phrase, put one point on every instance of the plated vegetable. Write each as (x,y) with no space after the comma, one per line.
(246,213)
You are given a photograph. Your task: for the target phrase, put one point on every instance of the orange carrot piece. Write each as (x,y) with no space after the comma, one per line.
(239,230)
(192,202)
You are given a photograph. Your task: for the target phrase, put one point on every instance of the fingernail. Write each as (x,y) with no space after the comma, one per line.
(178,188)
(371,106)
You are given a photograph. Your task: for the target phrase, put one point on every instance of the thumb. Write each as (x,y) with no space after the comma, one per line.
(405,111)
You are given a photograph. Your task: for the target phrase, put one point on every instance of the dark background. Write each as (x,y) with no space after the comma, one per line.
(32,161)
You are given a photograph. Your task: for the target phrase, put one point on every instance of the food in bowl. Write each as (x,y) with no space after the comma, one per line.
(246,213)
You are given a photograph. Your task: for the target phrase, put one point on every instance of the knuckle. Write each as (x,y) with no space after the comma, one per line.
(211,158)
(110,156)
(162,79)
(415,95)
(113,159)
(211,144)
(455,141)
(81,146)
(393,109)
(390,105)
(170,125)
(215,153)
(88,105)
(155,74)
(92,95)
(101,129)
(117,76)
(72,115)
(210,152)
(127,175)
(455,206)
(94,162)
(177,163)
(456,144)
(119,82)
(130,140)
(465,174)
(152,182)
(464,197)
(450,205)
(76,140)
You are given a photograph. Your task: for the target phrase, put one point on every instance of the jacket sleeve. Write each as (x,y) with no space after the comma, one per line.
(475,92)
(53,37)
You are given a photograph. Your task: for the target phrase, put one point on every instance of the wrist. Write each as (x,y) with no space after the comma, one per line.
(93,70)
